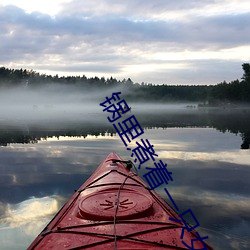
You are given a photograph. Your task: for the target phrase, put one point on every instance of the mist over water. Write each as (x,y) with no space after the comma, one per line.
(59,107)
(55,102)
(200,146)
(58,103)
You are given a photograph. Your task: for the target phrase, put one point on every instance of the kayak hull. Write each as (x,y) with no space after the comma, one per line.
(115,209)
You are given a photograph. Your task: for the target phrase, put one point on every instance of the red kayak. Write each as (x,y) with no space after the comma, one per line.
(115,209)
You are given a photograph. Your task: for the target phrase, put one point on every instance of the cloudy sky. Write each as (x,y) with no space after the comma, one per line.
(157,41)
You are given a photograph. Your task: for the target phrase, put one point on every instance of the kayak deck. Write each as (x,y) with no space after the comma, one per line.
(115,209)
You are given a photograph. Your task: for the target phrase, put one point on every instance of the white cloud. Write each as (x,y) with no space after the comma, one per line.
(235,157)
(154,41)
(25,220)
(29,217)
(45,6)
(29,211)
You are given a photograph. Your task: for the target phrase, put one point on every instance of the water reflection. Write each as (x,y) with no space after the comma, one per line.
(234,121)
(16,215)
(20,222)
(210,172)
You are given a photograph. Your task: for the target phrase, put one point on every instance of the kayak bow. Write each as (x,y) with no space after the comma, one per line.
(115,209)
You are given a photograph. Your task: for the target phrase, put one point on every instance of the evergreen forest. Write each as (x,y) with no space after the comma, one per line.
(224,93)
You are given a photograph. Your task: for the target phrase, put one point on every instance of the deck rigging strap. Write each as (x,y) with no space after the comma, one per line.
(117,206)
(115,222)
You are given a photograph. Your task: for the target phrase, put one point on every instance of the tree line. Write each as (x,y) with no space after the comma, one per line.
(236,91)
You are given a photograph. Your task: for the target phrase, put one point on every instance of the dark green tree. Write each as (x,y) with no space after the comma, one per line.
(246,69)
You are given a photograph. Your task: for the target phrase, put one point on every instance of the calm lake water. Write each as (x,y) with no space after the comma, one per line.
(45,158)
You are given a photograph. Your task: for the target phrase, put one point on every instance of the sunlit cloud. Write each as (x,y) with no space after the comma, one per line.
(21,223)
(228,203)
(29,212)
(236,157)
(224,54)
(97,138)
(46,6)
(185,42)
